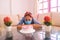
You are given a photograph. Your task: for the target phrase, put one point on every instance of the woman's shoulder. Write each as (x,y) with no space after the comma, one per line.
(33,18)
(23,17)
(35,21)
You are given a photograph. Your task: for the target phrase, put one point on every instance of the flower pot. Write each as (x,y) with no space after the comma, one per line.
(47,32)
(48,28)
(9,28)
(9,31)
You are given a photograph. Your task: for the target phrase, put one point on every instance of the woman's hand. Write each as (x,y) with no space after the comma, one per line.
(19,27)
(37,26)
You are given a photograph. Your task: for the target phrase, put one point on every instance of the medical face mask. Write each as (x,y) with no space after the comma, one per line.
(28,22)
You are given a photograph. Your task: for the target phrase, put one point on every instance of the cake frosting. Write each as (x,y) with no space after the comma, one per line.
(27,28)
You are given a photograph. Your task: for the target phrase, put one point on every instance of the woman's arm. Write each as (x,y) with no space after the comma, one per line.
(19,27)
(37,26)
(21,21)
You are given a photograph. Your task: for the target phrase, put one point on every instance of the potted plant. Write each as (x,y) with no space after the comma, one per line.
(7,21)
(47,23)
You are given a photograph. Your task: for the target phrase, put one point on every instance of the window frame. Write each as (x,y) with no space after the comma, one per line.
(49,6)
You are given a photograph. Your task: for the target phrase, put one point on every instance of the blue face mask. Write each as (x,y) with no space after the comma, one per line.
(28,22)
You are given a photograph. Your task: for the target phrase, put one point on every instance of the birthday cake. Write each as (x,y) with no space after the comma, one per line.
(27,29)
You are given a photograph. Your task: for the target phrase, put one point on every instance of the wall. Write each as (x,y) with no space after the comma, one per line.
(40,17)
(19,7)
(55,16)
(4,10)
(4,7)
(15,9)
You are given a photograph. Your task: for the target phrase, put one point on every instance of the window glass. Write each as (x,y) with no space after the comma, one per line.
(53,3)
(45,5)
(53,9)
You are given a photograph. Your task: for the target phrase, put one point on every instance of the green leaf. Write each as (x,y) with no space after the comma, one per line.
(8,23)
(48,23)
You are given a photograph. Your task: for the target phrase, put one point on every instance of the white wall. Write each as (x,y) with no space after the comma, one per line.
(56,18)
(4,10)
(54,15)
(15,7)
(21,6)
(4,7)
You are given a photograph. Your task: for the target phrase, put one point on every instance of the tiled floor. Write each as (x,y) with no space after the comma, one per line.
(40,35)
(53,36)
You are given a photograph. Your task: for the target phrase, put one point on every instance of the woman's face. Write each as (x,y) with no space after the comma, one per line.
(28,18)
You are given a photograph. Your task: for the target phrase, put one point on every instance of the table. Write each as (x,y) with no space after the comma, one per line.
(38,35)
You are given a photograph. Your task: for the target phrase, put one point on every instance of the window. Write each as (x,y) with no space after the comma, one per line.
(54,9)
(42,6)
(58,2)
(58,9)
(45,6)
(45,11)
(55,5)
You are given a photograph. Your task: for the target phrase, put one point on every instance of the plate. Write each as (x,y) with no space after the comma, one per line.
(27,31)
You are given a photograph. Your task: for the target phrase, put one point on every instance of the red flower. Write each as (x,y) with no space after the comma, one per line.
(47,19)
(7,19)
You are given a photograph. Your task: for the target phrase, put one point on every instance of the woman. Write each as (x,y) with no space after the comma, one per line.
(28,20)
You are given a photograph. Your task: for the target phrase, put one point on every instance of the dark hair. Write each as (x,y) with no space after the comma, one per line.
(28,14)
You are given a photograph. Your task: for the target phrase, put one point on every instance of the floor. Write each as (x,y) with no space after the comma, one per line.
(39,35)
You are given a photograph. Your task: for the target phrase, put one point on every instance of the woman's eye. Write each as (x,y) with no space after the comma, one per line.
(26,19)
(29,19)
